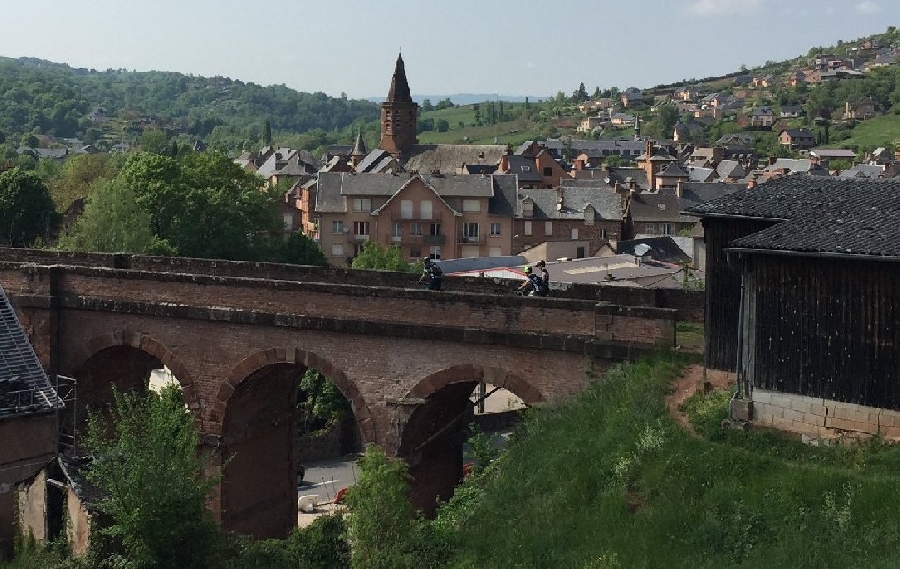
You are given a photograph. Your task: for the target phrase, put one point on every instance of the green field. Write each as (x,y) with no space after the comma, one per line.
(872,133)
(509,132)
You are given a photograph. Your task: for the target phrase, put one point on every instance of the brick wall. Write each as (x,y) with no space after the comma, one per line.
(823,418)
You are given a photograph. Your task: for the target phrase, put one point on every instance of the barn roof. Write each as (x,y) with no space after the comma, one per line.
(818,216)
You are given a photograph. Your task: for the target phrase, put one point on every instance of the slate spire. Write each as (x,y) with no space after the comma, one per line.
(399,92)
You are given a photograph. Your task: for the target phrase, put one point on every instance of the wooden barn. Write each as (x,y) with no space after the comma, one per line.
(803,302)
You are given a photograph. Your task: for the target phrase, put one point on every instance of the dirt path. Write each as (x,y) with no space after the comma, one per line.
(691,381)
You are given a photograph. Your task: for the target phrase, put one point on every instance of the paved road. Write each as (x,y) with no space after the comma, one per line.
(326,477)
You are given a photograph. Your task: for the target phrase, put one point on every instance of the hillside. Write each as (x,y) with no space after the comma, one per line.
(42,97)
(609,479)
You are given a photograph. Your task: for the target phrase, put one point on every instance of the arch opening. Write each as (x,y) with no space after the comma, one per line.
(434,435)
(280,417)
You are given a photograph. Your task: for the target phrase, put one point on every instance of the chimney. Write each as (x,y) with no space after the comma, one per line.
(751,183)
(504,162)
(579,164)
(772,160)
(679,188)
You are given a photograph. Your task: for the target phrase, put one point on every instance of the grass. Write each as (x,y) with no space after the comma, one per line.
(872,133)
(510,132)
(689,335)
(607,479)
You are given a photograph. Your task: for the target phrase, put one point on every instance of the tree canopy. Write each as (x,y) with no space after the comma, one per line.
(26,208)
(153,482)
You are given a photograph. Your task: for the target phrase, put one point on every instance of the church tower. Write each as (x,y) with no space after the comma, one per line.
(398,115)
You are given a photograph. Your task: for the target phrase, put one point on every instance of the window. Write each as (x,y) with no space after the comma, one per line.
(602,234)
(548,171)
(527,228)
(357,248)
(548,228)
(406,209)
(415,228)
(495,229)
(396,230)
(425,209)
(361,228)
(337,226)
(362,204)
(574,233)
(495,252)
(434,252)
(579,252)
(470,232)
(434,231)
(288,221)
(471,206)
(337,250)
(415,253)
(666,228)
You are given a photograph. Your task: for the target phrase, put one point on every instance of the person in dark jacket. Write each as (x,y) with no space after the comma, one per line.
(545,278)
(432,275)
(532,283)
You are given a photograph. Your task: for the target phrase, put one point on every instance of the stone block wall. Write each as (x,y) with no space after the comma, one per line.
(822,418)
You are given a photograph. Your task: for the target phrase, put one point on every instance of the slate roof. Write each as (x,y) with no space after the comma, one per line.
(333,187)
(673,170)
(821,216)
(606,203)
(503,202)
(450,158)
(594,148)
(371,160)
(661,206)
(662,248)
(525,168)
(862,171)
(24,386)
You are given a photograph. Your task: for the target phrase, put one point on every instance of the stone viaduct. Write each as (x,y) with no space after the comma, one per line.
(237,336)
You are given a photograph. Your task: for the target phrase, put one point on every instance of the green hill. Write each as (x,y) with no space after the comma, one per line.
(608,479)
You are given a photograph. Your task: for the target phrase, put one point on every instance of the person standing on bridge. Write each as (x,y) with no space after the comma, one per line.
(545,279)
(432,275)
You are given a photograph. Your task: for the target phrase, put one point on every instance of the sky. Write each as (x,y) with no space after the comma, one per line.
(524,48)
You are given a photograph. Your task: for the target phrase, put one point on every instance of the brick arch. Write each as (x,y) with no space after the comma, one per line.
(311,360)
(148,345)
(468,372)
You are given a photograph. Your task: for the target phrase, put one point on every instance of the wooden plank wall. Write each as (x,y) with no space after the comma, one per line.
(827,328)
(723,290)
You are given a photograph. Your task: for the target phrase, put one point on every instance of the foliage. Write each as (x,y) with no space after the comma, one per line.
(204,205)
(78,175)
(707,411)
(112,222)
(26,208)
(300,249)
(374,256)
(145,462)
(614,482)
(383,529)
(58,100)
(322,401)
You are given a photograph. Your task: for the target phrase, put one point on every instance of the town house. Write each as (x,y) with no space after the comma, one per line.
(440,217)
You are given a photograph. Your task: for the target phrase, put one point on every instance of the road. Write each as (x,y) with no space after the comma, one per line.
(326,477)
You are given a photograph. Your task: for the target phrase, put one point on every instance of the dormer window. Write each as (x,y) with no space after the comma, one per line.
(527,207)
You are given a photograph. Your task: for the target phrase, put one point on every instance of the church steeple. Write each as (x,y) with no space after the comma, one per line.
(399,92)
(359,150)
(398,115)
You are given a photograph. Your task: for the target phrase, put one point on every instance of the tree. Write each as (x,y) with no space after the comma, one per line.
(112,222)
(374,256)
(155,140)
(299,249)
(580,94)
(145,462)
(78,175)
(26,208)
(205,205)
(442,125)
(267,133)
(665,119)
(427,106)
(383,529)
